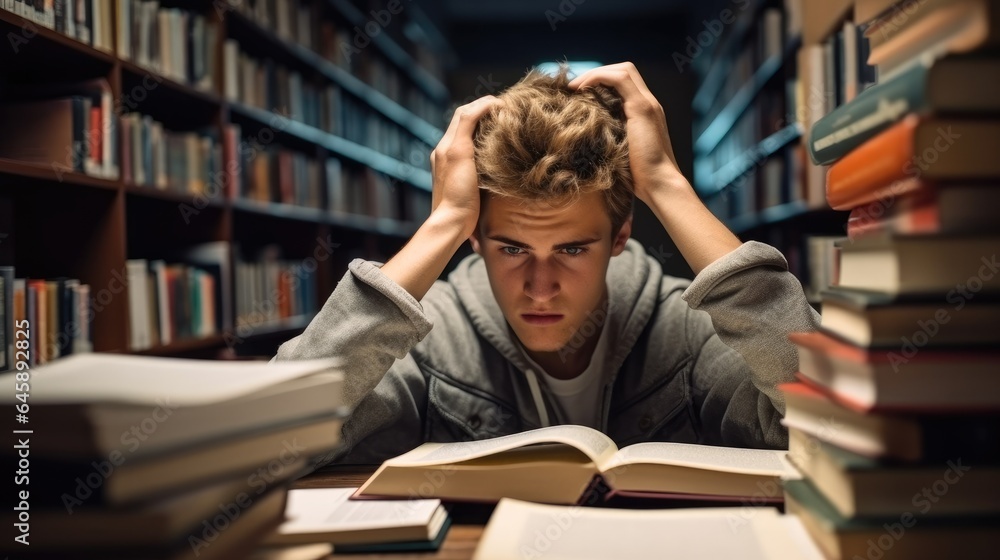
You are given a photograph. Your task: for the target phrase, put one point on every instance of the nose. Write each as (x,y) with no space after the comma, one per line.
(541,281)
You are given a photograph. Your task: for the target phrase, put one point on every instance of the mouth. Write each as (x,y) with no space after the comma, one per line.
(541,318)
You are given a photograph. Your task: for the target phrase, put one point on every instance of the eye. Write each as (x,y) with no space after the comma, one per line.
(512,251)
(575,251)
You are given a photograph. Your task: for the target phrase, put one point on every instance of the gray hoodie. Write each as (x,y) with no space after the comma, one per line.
(689,361)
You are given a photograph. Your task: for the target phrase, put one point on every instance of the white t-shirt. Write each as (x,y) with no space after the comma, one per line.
(580,397)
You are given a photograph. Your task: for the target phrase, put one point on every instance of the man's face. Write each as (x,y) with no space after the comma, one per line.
(547,265)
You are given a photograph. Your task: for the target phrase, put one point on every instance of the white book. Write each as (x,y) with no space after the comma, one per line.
(136,270)
(230,64)
(124,38)
(327,515)
(519,530)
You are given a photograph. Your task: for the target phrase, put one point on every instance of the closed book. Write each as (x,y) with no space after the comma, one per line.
(928,209)
(328,515)
(909,378)
(867,10)
(248,521)
(161,524)
(875,319)
(914,534)
(861,487)
(951,85)
(953,266)
(929,148)
(914,437)
(933,29)
(94,399)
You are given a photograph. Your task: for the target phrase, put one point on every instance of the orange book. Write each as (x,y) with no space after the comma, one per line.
(917,148)
(96,137)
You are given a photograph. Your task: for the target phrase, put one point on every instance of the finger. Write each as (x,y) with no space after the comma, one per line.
(623,77)
(474,109)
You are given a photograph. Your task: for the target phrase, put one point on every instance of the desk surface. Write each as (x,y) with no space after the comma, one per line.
(459,543)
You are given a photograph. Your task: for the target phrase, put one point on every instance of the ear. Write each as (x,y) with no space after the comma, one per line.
(623,234)
(474,240)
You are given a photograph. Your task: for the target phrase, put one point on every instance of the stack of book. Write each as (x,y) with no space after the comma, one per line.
(142,457)
(895,421)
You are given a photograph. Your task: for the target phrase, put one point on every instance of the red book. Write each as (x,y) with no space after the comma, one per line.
(910,377)
(96,136)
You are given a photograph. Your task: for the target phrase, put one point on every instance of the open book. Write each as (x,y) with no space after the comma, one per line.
(519,530)
(565,464)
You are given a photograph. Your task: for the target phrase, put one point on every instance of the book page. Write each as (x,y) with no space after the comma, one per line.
(765,462)
(326,510)
(148,381)
(597,446)
(520,529)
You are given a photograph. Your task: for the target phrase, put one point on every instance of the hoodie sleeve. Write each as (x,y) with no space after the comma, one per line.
(372,324)
(742,308)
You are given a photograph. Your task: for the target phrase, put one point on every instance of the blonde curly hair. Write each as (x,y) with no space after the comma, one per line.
(547,142)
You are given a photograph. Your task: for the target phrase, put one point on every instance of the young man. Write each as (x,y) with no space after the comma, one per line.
(560,318)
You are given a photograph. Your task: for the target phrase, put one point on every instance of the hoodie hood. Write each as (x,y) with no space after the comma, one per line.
(633,281)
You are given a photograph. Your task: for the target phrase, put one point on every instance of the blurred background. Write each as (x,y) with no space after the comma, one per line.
(225,161)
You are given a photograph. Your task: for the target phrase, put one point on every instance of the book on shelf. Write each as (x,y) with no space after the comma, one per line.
(880,320)
(565,462)
(328,515)
(913,437)
(88,21)
(951,85)
(52,315)
(914,533)
(71,133)
(172,302)
(187,162)
(907,378)
(859,486)
(165,425)
(520,529)
(921,264)
(272,289)
(177,44)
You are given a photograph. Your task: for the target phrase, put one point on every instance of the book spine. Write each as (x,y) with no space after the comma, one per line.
(872,165)
(871,112)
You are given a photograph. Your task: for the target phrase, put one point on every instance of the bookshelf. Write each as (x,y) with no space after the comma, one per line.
(750,164)
(68,223)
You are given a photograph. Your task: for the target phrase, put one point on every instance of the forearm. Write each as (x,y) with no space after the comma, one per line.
(420,262)
(699,235)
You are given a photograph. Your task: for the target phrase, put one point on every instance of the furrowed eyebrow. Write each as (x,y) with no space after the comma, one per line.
(522,245)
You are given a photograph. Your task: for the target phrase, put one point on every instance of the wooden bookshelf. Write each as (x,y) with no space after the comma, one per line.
(72,224)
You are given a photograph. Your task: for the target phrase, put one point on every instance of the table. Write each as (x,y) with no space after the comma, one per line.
(459,543)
